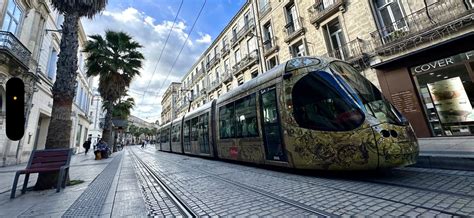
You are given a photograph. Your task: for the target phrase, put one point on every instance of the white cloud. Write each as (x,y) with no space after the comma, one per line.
(151,33)
(205,38)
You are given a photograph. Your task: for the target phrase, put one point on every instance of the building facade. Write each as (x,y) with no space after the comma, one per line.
(169,102)
(411,50)
(29,45)
(98,116)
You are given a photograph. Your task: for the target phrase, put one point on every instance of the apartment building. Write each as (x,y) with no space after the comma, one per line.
(29,45)
(169,102)
(98,116)
(389,41)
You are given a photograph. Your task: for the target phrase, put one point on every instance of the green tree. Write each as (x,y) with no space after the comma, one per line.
(116,59)
(64,88)
(122,109)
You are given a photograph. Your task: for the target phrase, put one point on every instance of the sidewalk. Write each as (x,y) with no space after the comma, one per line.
(101,193)
(447,153)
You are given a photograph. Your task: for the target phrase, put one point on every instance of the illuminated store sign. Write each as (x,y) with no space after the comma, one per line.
(442,63)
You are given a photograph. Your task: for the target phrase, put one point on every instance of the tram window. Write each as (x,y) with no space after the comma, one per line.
(175,134)
(320,104)
(165,135)
(226,121)
(186,142)
(194,129)
(204,133)
(246,117)
(372,98)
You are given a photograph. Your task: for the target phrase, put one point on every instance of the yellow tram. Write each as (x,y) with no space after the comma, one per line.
(307,113)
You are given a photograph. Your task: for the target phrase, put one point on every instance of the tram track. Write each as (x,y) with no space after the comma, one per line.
(182,207)
(349,191)
(293,203)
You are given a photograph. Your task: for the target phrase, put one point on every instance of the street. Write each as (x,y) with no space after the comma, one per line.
(208,187)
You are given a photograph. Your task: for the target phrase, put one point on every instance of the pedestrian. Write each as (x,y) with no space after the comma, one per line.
(143,144)
(87,145)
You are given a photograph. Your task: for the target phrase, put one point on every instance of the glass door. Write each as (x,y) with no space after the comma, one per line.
(274,149)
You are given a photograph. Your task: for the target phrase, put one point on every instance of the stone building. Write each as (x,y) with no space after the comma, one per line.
(97,115)
(29,45)
(392,42)
(169,102)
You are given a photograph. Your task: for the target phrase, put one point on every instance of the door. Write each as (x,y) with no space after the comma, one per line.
(274,149)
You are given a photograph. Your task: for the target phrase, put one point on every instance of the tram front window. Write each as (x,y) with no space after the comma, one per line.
(320,104)
(371,97)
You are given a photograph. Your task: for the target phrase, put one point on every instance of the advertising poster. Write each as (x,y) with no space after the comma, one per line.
(451,101)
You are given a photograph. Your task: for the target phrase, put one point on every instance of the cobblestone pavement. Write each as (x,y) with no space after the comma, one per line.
(211,187)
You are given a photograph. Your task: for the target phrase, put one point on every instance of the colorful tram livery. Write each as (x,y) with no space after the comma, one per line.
(307,113)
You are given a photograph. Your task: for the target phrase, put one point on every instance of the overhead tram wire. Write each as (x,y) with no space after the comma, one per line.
(162,50)
(182,47)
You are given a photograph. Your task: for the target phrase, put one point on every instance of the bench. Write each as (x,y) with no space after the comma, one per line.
(45,161)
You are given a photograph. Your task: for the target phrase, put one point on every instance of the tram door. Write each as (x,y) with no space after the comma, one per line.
(274,149)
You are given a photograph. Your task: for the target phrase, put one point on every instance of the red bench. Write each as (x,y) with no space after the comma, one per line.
(45,161)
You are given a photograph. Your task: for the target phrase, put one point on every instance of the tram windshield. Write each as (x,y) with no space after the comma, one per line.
(321,104)
(372,99)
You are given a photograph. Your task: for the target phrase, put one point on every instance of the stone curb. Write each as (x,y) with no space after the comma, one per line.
(443,161)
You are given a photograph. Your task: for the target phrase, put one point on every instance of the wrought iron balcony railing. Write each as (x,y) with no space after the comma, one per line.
(249,25)
(247,61)
(437,20)
(10,44)
(293,29)
(214,84)
(265,9)
(227,76)
(352,50)
(225,49)
(322,10)
(269,45)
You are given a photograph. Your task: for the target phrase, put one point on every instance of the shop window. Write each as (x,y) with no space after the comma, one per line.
(320,104)
(12,18)
(298,49)
(390,16)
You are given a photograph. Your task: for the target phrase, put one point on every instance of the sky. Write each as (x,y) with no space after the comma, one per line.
(149,22)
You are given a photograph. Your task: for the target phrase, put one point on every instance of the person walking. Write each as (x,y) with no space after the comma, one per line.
(87,145)
(143,144)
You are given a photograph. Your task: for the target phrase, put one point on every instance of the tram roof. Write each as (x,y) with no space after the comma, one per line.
(274,73)
(198,110)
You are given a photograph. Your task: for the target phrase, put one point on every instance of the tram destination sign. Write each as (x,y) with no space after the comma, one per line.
(442,63)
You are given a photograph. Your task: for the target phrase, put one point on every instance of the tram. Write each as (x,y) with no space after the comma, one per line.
(307,113)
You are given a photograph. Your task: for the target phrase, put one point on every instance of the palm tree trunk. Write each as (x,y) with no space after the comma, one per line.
(64,89)
(107,132)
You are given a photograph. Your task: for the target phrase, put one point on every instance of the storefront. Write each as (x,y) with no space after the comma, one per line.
(446,90)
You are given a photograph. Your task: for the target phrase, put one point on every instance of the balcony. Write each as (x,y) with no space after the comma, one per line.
(247,61)
(294,30)
(351,51)
(264,10)
(16,51)
(214,85)
(227,76)
(270,46)
(198,75)
(322,10)
(249,25)
(213,62)
(428,24)
(225,50)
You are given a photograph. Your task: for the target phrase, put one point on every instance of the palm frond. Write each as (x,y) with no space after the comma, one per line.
(87,8)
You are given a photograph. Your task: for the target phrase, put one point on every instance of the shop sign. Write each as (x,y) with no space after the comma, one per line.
(442,63)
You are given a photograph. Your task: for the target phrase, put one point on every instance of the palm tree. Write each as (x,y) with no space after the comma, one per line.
(121,111)
(64,89)
(116,60)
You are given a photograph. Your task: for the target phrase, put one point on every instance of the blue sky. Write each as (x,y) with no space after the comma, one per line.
(149,22)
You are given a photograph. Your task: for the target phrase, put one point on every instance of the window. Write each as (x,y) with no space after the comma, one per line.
(298,49)
(165,135)
(254,74)
(194,129)
(226,121)
(292,23)
(175,134)
(234,34)
(251,45)
(239,118)
(53,59)
(267,36)
(217,74)
(335,39)
(226,65)
(390,15)
(12,18)
(186,139)
(228,86)
(59,21)
(240,80)
(204,133)
(262,4)
(78,134)
(320,104)
(237,56)
(246,117)
(272,62)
